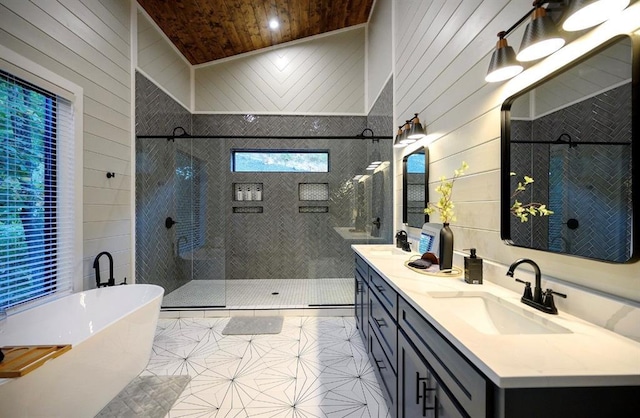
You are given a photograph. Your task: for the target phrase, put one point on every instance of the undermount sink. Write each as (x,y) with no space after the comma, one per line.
(490,314)
(389,251)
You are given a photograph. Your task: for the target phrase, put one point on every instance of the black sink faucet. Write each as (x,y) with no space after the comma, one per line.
(96,266)
(542,302)
(537,290)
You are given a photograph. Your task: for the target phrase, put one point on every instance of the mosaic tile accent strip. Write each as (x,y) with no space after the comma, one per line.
(262,293)
(316,367)
(248,209)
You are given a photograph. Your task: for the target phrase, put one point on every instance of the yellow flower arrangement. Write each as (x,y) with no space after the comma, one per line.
(445,205)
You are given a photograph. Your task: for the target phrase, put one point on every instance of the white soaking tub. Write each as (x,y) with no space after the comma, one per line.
(111,331)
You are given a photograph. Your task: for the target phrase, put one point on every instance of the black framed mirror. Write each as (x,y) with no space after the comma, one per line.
(415,188)
(573,133)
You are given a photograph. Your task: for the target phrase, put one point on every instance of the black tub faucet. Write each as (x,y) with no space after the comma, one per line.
(96,266)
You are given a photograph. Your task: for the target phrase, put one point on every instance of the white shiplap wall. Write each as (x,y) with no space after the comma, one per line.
(87,42)
(161,63)
(379,50)
(324,75)
(442,51)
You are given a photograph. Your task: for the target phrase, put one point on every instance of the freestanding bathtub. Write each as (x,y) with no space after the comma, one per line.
(111,331)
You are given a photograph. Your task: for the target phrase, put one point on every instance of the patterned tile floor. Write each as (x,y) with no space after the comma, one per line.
(259,293)
(316,367)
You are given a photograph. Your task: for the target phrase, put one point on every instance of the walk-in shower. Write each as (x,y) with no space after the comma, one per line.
(217,231)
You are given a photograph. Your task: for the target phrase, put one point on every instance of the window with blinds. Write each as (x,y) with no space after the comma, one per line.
(34,212)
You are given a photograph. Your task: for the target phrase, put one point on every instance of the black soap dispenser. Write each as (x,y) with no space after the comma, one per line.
(473,268)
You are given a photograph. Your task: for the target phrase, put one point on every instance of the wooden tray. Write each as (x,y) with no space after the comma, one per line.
(19,361)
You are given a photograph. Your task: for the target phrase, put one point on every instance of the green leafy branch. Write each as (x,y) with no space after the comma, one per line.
(521,210)
(445,205)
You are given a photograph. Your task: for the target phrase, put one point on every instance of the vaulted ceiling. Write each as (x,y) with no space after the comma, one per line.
(208,30)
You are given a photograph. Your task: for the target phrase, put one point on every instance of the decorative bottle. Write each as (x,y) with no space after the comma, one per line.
(446,248)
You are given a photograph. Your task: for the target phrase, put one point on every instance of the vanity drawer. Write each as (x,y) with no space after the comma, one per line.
(386,375)
(362,267)
(466,384)
(384,292)
(385,328)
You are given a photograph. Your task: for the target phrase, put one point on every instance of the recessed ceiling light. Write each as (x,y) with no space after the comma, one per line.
(274,24)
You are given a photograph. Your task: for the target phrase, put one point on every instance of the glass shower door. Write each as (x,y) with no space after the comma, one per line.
(173,248)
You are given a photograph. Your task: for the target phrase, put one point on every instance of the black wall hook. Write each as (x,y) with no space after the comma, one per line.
(110,174)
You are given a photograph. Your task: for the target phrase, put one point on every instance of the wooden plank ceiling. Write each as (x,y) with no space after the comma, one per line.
(208,30)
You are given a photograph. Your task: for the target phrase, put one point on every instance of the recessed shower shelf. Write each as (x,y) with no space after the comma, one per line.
(313,209)
(247,192)
(247,209)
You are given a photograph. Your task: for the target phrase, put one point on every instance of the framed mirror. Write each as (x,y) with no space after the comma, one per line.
(415,188)
(573,134)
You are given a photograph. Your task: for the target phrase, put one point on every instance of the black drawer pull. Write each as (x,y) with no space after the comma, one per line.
(378,364)
(424,396)
(380,288)
(380,322)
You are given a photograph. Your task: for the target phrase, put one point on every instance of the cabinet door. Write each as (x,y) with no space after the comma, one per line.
(420,393)
(416,384)
(361,305)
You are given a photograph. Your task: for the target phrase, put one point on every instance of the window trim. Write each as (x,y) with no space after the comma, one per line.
(22,67)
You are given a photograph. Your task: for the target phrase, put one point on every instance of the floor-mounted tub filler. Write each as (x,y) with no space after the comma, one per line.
(111,332)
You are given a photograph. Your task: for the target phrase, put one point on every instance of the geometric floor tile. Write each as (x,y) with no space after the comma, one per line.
(315,367)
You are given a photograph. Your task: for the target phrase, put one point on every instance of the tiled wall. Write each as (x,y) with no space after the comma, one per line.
(586,178)
(280,242)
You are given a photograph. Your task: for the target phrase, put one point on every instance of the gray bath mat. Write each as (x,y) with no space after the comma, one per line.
(146,396)
(253,325)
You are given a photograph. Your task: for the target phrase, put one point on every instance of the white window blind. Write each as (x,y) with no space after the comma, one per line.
(36,194)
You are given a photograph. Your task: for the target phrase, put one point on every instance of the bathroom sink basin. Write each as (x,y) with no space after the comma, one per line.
(390,251)
(490,314)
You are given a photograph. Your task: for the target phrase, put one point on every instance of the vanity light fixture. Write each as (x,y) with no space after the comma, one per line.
(583,14)
(404,138)
(503,65)
(397,143)
(416,131)
(541,37)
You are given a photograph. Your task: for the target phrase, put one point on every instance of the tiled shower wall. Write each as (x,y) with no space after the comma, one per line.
(582,182)
(280,242)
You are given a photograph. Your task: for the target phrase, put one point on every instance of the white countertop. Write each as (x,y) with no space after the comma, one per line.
(588,355)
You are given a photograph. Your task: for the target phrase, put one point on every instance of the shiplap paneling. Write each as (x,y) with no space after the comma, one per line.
(594,76)
(321,76)
(442,52)
(87,42)
(160,62)
(379,49)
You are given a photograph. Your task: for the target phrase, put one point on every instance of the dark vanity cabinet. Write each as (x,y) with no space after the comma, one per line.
(419,373)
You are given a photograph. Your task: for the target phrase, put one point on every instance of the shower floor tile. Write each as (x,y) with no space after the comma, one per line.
(315,367)
(262,293)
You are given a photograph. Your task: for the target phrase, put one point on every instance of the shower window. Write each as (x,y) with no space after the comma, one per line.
(279,161)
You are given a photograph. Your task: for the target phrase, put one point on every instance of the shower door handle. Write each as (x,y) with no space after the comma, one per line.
(169,222)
